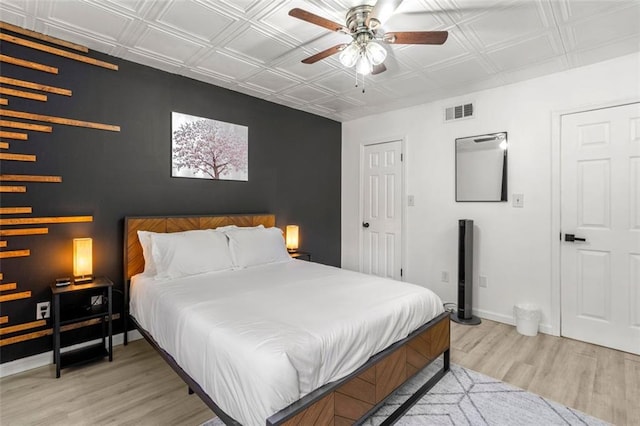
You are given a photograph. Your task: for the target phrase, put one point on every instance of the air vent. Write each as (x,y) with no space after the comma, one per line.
(458,112)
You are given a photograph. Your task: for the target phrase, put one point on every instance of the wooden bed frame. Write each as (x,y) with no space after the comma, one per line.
(347,401)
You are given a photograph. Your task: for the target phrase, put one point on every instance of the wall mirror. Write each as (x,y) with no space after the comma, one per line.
(481,167)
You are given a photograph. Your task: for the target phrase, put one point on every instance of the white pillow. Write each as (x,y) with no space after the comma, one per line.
(257,246)
(147,252)
(180,254)
(228,227)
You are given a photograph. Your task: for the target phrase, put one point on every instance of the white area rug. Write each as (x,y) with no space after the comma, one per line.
(464,397)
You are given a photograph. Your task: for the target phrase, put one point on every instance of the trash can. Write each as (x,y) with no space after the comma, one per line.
(527,318)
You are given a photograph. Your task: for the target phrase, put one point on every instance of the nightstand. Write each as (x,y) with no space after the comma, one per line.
(303,255)
(66,320)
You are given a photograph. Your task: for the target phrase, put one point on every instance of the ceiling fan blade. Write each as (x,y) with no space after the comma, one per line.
(377,69)
(416,37)
(324,54)
(318,20)
(381,12)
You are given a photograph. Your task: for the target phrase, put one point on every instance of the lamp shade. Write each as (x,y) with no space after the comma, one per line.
(376,53)
(349,56)
(363,65)
(292,237)
(82,257)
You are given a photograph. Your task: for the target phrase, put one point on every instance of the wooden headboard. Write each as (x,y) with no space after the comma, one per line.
(133,259)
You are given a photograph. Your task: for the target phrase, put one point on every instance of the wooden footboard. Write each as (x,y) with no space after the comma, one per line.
(356,396)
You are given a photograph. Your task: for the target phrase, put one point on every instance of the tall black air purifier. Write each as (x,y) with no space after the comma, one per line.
(465,274)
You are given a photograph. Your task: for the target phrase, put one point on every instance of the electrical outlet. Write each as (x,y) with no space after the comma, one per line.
(43,310)
(484,282)
(96,300)
(444,277)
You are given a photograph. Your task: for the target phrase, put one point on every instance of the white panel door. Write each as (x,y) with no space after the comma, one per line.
(600,190)
(382,210)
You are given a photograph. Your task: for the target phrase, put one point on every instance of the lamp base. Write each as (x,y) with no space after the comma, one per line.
(83,279)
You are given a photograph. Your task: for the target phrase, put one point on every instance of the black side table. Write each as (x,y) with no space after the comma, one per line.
(303,255)
(99,286)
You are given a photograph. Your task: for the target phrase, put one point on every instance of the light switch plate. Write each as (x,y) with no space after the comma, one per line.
(483,281)
(411,201)
(518,200)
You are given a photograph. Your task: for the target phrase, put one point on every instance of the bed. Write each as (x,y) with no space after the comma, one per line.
(247,342)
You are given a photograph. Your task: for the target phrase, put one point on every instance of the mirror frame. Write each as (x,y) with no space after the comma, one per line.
(504,184)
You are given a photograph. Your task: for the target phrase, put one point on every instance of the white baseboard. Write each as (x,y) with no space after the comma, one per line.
(507,319)
(23,364)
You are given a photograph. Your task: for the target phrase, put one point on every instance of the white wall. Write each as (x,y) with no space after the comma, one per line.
(513,245)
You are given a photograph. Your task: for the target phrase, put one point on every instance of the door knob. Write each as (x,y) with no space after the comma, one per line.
(365,224)
(572,238)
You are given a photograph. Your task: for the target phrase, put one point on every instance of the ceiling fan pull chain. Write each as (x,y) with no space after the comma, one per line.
(363,77)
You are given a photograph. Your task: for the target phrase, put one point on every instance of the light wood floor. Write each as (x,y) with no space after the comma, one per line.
(138,387)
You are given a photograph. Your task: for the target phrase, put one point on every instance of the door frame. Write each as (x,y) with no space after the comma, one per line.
(556,202)
(403,208)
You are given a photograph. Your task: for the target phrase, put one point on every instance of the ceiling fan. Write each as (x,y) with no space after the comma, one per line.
(364,25)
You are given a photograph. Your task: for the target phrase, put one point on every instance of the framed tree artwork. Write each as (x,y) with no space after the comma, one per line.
(208,149)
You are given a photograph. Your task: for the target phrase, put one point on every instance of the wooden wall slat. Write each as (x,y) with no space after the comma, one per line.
(28,64)
(4,101)
(17,157)
(22,94)
(30,178)
(16,210)
(4,145)
(15,296)
(13,135)
(55,51)
(35,86)
(4,320)
(26,126)
(8,286)
(49,331)
(22,327)
(23,231)
(40,220)
(3,244)
(58,120)
(12,188)
(43,37)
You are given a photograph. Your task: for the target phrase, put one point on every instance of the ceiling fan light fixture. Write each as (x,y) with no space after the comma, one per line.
(376,53)
(350,55)
(364,66)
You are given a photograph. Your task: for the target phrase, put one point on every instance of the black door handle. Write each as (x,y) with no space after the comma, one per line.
(365,224)
(572,238)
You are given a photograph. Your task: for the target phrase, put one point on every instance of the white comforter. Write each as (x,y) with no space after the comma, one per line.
(260,338)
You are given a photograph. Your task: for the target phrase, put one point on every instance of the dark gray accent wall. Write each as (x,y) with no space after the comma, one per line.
(294,172)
